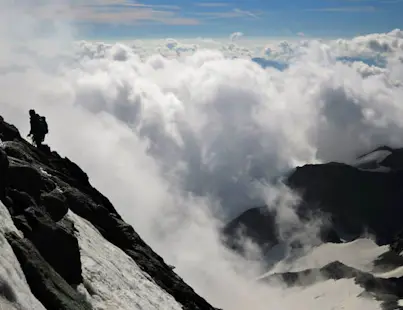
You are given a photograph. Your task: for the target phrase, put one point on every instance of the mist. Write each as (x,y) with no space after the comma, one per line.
(183,144)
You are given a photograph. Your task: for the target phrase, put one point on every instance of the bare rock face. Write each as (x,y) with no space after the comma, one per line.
(357,199)
(39,187)
(45,283)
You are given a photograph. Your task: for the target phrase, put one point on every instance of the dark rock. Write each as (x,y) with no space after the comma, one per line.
(55,204)
(393,161)
(19,150)
(335,271)
(56,243)
(259,226)
(8,132)
(49,253)
(357,200)
(383,288)
(25,178)
(397,244)
(6,291)
(20,201)
(45,283)
(122,235)
(388,261)
(70,169)
(256,224)
(4,164)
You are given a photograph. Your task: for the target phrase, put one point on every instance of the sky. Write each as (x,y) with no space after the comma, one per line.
(203,18)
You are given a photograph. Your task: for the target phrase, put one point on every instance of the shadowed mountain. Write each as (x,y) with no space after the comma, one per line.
(365,197)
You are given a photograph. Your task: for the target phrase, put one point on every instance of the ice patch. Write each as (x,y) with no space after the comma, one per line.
(112,278)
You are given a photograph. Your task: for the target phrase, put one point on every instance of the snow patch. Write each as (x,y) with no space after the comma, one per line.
(112,279)
(359,254)
(396,273)
(327,295)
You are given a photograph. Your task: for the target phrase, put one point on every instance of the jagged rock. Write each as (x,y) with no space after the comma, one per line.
(121,234)
(69,169)
(25,178)
(20,201)
(383,288)
(39,172)
(8,132)
(4,164)
(387,261)
(20,150)
(56,243)
(357,200)
(397,244)
(46,284)
(257,224)
(55,204)
(335,270)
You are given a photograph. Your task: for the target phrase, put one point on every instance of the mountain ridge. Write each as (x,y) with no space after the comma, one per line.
(39,188)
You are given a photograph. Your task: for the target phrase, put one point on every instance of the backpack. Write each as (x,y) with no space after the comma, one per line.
(44,125)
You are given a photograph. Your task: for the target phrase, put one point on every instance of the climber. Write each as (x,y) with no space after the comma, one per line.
(39,128)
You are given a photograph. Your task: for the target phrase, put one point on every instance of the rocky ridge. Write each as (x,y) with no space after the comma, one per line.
(39,187)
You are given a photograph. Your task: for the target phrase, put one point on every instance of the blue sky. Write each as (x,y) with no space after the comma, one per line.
(255,18)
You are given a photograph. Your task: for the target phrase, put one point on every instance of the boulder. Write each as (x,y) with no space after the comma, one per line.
(56,243)
(8,132)
(20,201)
(20,150)
(45,283)
(55,204)
(25,178)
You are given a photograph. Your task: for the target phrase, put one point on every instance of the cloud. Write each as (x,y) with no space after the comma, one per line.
(110,12)
(234,13)
(345,9)
(235,36)
(211,4)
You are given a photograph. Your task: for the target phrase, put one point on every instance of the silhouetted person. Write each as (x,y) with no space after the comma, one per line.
(39,127)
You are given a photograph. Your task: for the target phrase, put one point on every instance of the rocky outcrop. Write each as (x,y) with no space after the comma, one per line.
(388,290)
(257,224)
(45,283)
(39,187)
(358,199)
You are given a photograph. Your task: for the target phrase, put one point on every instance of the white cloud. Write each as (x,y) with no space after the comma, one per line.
(235,36)
(176,143)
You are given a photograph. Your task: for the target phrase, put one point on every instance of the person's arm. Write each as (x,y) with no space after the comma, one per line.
(30,132)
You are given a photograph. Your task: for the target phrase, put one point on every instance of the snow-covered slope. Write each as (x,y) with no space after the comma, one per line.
(359,254)
(327,295)
(323,293)
(112,280)
(14,290)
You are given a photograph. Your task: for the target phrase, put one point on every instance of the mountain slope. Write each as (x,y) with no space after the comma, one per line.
(365,197)
(60,215)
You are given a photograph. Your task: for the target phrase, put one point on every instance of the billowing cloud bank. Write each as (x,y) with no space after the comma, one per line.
(178,134)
